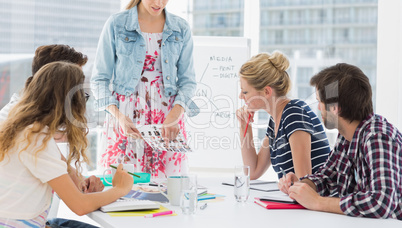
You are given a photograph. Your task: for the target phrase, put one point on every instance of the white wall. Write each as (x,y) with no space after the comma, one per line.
(123,4)
(389,61)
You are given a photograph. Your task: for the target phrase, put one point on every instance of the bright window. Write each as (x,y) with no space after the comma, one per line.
(312,33)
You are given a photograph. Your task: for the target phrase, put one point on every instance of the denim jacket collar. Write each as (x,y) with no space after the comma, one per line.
(132,21)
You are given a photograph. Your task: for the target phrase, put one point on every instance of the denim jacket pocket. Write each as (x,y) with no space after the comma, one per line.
(175,43)
(125,43)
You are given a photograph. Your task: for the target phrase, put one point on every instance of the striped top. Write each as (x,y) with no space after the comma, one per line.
(296,116)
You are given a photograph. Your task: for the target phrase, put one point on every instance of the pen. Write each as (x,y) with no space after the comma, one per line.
(203,192)
(284,175)
(248,121)
(114,167)
(159,214)
(203,206)
(283,172)
(264,182)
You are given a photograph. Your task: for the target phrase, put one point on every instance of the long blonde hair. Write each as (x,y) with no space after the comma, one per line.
(267,70)
(132,3)
(46,103)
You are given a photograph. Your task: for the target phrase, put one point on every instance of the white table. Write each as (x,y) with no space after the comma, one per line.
(230,214)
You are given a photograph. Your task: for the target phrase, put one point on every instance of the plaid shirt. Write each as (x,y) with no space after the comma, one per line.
(365,173)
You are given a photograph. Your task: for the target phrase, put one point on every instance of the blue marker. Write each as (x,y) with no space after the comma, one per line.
(205,197)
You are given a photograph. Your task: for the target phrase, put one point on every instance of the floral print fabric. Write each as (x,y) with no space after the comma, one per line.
(147,105)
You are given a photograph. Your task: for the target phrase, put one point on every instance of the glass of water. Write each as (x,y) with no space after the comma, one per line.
(188,196)
(242,183)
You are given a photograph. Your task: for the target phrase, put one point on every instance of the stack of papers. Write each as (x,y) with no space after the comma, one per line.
(141,213)
(125,204)
(210,197)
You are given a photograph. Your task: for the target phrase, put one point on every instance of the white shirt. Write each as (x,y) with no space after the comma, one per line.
(6,109)
(24,192)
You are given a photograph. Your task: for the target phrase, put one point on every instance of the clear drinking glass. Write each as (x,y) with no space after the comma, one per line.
(188,197)
(242,183)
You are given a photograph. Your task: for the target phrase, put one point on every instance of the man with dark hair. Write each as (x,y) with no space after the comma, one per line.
(43,55)
(56,52)
(363,173)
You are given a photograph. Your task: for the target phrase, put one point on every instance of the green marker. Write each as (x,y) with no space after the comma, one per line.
(114,167)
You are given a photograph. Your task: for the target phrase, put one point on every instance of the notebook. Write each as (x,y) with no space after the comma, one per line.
(277,196)
(125,204)
(276,205)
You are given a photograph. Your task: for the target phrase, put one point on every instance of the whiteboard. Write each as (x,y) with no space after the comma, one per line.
(214,133)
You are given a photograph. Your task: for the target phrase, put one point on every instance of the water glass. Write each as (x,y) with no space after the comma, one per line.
(242,183)
(188,197)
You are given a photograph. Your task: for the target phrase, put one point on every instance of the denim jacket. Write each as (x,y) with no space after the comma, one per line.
(120,59)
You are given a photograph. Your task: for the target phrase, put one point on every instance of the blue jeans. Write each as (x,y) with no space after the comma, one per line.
(66,223)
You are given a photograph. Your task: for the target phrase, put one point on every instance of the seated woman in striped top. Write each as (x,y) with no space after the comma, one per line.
(295,140)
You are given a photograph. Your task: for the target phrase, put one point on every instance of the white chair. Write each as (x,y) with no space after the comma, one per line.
(54,208)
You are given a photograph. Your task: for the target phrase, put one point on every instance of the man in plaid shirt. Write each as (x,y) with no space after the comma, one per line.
(363,173)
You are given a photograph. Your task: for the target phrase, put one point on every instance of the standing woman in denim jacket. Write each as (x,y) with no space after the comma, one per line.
(145,55)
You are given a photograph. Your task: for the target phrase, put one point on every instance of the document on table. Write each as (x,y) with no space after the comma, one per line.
(259,185)
(277,196)
(125,204)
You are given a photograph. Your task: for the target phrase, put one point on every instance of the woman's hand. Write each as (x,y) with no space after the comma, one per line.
(125,122)
(243,115)
(128,127)
(122,180)
(287,181)
(170,127)
(92,184)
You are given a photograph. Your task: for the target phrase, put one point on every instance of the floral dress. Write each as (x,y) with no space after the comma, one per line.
(147,105)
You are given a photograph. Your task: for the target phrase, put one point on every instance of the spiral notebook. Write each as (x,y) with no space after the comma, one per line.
(126,204)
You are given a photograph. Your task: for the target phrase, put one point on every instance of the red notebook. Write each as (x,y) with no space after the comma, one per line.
(276,205)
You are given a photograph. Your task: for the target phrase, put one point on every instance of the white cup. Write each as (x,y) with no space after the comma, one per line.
(173,190)
(127,167)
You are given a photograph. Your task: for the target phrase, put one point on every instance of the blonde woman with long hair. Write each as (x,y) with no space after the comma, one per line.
(43,55)
(295,140)
(30,161)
